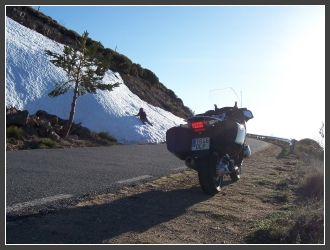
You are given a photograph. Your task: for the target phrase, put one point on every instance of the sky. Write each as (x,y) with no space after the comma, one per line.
(273,57)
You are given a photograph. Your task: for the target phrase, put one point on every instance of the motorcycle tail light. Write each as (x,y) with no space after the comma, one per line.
(197,125)
(202,125)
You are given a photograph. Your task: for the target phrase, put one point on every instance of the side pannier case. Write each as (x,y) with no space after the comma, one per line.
(178,141)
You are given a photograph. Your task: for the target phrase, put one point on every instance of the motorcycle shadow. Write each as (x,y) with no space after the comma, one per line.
(102,223)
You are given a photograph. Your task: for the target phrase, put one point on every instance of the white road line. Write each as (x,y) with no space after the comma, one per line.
(134,179)
(41,201)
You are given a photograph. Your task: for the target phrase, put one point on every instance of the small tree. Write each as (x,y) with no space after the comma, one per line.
(85,68)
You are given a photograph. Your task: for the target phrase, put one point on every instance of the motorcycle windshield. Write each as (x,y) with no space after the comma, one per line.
(225,97)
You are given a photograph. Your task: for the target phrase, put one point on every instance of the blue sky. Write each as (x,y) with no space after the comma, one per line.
(272,56)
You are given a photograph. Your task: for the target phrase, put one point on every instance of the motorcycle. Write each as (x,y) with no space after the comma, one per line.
(213,143)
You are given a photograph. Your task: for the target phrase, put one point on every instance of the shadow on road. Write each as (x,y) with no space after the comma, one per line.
(94,224)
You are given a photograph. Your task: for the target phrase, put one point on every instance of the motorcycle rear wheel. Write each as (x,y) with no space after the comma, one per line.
(210,183)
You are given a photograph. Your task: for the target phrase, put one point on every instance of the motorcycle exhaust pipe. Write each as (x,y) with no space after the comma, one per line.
(190,163)
(221,171)
(222,167)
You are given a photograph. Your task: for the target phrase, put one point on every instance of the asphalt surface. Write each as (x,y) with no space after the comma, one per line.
(45,179)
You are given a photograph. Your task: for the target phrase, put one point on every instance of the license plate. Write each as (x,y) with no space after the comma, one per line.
(200,144)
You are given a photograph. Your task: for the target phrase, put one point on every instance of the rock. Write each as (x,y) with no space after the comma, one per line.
(18,118)
(44,124)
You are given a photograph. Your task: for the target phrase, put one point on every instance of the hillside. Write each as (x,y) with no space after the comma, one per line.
(142,82)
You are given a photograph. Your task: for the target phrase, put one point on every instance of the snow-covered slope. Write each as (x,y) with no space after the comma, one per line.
(30,77)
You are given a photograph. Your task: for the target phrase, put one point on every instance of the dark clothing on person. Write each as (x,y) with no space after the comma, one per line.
(142,114)
(143,117)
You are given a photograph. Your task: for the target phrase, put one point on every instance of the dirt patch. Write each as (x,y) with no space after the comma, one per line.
(169,210)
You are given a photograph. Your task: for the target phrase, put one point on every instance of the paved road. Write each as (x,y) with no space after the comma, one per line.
(52,178)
